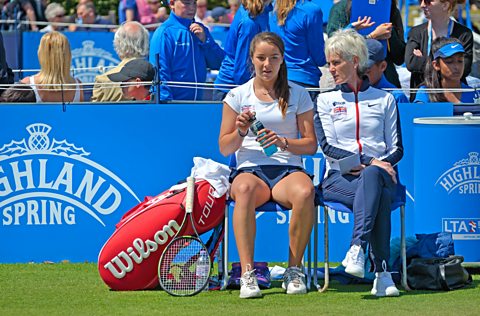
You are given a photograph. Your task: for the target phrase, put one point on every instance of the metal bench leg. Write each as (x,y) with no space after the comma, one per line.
(326,259)
(309,264)
(403,247)
(225,251)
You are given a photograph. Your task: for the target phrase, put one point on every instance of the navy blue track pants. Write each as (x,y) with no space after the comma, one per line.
(370,196)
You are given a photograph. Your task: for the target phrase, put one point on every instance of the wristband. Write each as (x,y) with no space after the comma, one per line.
(286,145)
(241,134)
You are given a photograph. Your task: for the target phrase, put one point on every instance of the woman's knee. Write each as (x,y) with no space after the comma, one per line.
(244,188)
(249,191)
(372,171)
(303,194)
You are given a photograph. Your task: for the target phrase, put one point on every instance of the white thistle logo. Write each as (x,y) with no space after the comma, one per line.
(44,181)
(464,176)
(39,142)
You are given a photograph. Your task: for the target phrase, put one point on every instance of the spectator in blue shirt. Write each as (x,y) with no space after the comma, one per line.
(127,11)
(445,70)
(251,19)
(376,66)
(182,50)
(300,24)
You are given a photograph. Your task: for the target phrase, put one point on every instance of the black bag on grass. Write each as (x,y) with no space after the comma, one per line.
(437,273)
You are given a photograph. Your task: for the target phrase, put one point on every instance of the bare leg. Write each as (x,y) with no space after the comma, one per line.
(297,192)
(249,192)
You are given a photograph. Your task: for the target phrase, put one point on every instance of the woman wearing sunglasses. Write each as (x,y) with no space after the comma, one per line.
(444,70)
(421,37)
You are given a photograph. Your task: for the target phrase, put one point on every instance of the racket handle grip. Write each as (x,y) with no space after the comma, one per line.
(190,194)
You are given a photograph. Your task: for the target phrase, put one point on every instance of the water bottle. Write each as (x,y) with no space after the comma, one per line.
(255,128)
(203,269)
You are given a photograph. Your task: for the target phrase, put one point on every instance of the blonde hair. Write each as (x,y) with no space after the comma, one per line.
(254,7)
(347,44)
(55,60)
(282,9)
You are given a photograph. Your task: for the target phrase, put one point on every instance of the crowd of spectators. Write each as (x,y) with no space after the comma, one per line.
(300,24)
(147,12)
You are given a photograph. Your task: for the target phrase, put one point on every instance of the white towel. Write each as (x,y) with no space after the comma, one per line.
(215,173)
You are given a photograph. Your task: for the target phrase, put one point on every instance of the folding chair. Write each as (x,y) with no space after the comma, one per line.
(267,207)
(398,202)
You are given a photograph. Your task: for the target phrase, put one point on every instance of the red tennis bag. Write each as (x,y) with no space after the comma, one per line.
(129,259)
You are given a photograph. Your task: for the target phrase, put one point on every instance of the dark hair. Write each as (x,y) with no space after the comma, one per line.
(281,87)
(18,93)
(433,78)
(89,5)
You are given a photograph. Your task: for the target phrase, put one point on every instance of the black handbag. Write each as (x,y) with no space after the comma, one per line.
(437,273)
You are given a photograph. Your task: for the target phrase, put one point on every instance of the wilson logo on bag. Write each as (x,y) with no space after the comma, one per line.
(129,259)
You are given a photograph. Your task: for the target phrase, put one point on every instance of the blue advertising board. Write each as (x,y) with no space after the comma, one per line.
(447,181)
(408,112)
(67,176)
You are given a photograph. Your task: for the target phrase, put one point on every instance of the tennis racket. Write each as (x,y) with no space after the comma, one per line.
(184,267)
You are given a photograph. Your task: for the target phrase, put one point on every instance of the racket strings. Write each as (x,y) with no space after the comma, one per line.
(178,269)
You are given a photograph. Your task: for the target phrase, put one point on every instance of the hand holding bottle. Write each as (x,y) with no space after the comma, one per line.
(263,138)
(243,122)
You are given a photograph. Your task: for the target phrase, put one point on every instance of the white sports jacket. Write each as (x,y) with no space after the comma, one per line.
(365,122)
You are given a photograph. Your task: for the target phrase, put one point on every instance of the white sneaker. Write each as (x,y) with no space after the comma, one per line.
(383,284)
(294,281)
(249,285)
(354,261)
